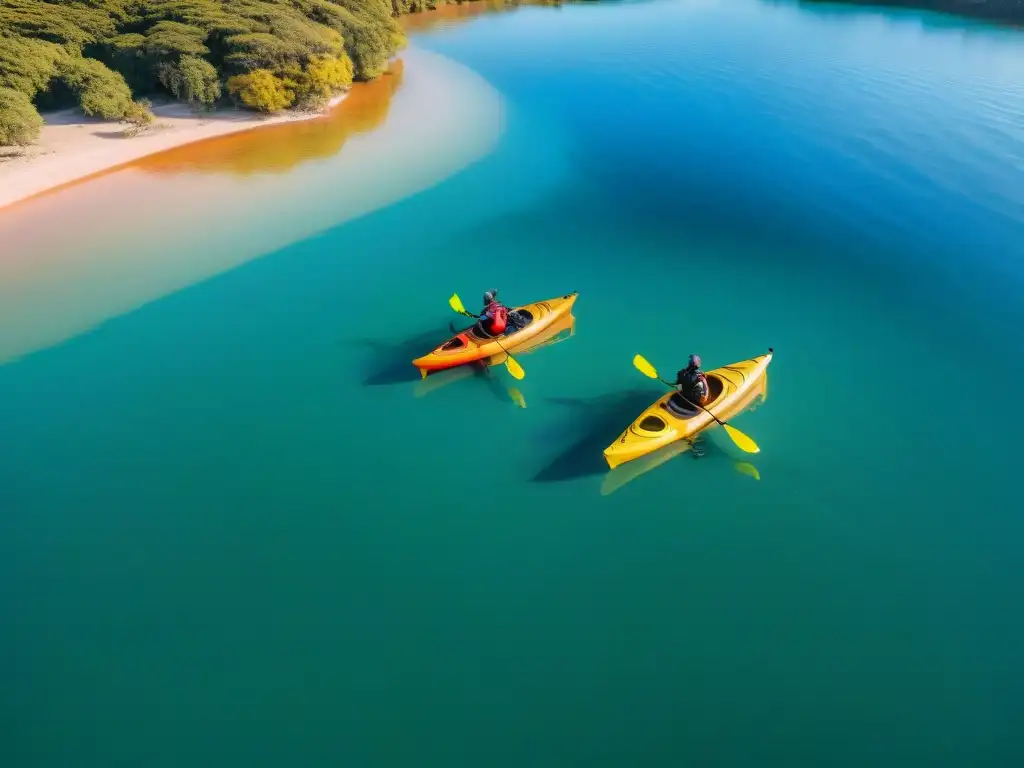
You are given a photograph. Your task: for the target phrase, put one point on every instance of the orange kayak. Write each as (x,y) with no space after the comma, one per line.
(469,346)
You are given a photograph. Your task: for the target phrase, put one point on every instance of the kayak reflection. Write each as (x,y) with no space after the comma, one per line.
(559,331)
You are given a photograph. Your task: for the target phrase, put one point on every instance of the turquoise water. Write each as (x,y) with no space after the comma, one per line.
(234,535)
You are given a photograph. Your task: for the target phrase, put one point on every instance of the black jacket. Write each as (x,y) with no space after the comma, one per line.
(692,384)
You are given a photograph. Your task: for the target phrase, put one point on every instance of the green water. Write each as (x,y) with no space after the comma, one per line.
(234,535)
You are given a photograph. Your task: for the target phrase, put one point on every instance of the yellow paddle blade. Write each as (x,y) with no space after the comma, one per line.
(645,368)
(743,442)
(517,397)
(748,469)
(456,303)
(513,367)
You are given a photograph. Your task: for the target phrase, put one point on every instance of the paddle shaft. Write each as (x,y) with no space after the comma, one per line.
(495,340)
(695,405)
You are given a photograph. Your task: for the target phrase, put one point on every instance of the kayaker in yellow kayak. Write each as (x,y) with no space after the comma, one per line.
(691,382)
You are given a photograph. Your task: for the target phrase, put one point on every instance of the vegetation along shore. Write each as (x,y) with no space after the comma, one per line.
(107,58)
(998,11)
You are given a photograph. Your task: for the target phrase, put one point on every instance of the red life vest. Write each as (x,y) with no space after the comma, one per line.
(500,315)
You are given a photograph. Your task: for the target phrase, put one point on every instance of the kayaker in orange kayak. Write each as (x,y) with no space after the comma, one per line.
(494,318)
(692,383)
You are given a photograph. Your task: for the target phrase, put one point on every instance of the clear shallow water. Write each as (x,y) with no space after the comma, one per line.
(206,199)
(234,534)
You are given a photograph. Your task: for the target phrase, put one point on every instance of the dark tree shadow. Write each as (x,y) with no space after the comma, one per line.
(599,421)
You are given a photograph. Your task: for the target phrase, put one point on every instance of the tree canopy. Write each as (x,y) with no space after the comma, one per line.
(19,121)
(104,55)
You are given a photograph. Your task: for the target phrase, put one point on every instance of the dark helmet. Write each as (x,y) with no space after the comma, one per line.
(695,361)
(490,296)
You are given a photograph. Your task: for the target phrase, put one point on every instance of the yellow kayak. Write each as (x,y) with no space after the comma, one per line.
(669,418)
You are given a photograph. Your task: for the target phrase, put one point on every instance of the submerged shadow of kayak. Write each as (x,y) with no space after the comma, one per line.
(391,361)
(597,422)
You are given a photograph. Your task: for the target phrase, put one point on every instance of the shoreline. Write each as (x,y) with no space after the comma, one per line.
(1008,14)
(77,258)
(72,148)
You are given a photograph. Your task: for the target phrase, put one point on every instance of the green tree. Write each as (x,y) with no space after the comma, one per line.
(101,54)
(101,91)
(127,54)
(71,24)
(261,90)
(325,77)
(171,40)
(370,31)
(319,81)
(28,65)
(192,79)
(19,121)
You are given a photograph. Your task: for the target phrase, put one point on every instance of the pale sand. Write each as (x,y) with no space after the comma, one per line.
(80,256)
(72,147)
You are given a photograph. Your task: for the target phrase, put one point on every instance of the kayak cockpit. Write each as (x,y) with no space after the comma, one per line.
(520,317)
(652,423)
(683,410)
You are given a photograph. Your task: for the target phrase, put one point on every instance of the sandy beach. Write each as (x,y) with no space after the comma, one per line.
(82,255)
(72,147)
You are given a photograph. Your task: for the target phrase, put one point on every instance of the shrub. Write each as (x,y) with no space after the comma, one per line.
(137,117)
(192,79)
(261,90)
(101,91)
(28,65)
(19,121)
(322,78)
(171,40)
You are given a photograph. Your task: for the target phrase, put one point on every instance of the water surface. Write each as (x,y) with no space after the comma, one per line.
(236,530)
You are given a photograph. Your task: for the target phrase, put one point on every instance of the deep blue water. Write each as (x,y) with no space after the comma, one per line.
(234,535)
